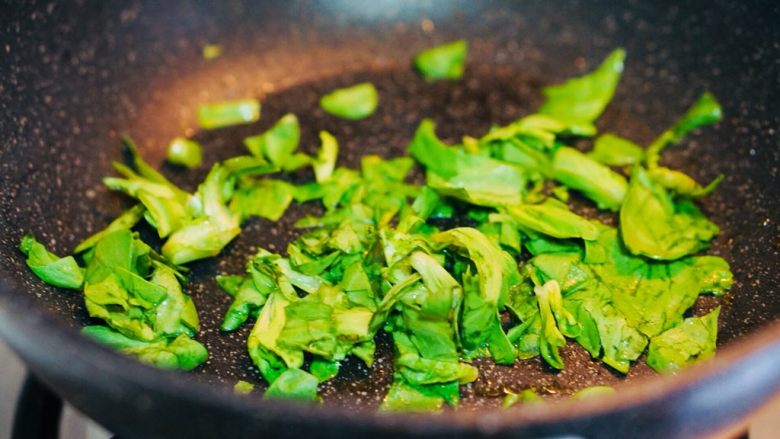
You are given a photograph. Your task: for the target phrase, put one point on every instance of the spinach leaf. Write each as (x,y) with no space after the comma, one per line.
(613,150)
(442,62)
(657,225)
(211,51)
(484,293)
(549,298)
(294,384)
(243,387)
(705,111)
(691,341)
(580,101)
(592,391)
(278,144)
(553,219)
(185,152)
(168,208)
(126,221)
(472,178)
(325,162)
(182,353)
(596,181)
(228,113)
(404,397)
(354,103)
(681,184)
(265,198)
(527,396)
(50,268)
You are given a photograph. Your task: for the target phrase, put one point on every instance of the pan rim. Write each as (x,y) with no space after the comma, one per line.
(21,322)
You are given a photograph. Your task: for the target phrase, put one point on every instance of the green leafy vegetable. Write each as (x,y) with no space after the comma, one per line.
(484,258)
(279,143)
(592,391)
(185,152)
(243,387)
(476,179)
(442,62)
(264,198)
(181,353)
(325,162)
(126,221)
(167,206)
(224,114)
(211,51)
(580,101)
(52,269)
(552,219)
(596,181)
(705,111)
(355,102)
(294,384)
(613,150)
(692,340)
(655,224)
(527,396)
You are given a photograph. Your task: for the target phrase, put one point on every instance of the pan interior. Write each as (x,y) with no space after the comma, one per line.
(485,96)
(64,135)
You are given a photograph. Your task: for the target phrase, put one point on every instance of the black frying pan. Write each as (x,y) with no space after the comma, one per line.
(74,77)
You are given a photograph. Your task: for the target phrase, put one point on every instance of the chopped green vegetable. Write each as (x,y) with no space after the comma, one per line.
(325,162)
(472,178)
(294,384)
(550,303)
(265,198)
(182,353)
(167,206)
(243,387)
(592,391)
(442,62)
(527,396)
(211,51)
(580,101)
(185,152)
(655,224)
(682,184)
(692,340)
(613,150)
(355,102)
(324,370)
(705,111)
(52,269)
(596,181)
(126,221)
(403,397)
(514,272)
(279,143)
(224,114)
(553,219)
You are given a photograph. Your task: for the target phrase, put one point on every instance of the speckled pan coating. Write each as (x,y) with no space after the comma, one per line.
(75,77)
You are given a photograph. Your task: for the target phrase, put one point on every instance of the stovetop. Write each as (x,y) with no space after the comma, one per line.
(73,425)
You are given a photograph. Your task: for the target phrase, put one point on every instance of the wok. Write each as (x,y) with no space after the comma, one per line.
(74,77)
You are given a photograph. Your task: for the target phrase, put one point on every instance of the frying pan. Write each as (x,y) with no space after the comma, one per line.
(74,77)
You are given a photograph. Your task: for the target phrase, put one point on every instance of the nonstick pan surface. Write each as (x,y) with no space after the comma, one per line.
(75,78)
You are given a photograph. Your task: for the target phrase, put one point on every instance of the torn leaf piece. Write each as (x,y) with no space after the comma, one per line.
(580,101)
(655,224)
(228,113)
(691,341)
(181,353)
(50,268)
(446,61)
